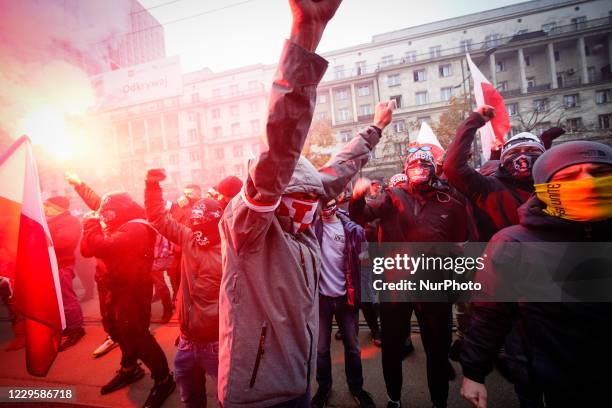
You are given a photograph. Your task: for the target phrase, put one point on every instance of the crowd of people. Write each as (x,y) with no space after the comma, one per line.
(261,267)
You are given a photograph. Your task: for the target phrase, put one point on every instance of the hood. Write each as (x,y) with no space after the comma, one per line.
(305,179)
(124,207)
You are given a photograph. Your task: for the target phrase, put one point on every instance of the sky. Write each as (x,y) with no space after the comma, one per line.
(235,33)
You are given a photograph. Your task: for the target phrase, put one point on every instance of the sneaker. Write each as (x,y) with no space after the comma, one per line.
(122,379)
(73,336)
(408,349)
(320,399)
(393,404)
(338,335)
(454,351)
(363,398)
(105,347)
(160,391)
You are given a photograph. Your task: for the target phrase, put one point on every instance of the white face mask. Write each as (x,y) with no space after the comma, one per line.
(301,212)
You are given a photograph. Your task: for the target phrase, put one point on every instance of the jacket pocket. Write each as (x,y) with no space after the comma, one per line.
(260,352)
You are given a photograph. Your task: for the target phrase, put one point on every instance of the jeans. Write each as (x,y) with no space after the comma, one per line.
(161,289)
(191,363)
(435,320)
(347,319)
(72,307)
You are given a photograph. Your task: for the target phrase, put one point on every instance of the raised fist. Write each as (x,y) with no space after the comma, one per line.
(383,113)
(313,11)
(73,179)
(362,186)
(486,111)
(156,175)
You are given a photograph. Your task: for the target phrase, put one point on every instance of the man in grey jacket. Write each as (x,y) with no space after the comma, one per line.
(268,297)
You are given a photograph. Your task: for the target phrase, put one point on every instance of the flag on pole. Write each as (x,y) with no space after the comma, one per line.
(427,137)
(25,236)
(486,94)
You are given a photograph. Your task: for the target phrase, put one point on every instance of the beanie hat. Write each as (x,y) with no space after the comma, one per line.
(567,154)
(524,139)
(60,203)
(229,186)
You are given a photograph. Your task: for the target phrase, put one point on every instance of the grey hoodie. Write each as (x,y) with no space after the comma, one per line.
(268,300)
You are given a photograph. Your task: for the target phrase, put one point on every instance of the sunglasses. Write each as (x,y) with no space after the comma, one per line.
(416,149)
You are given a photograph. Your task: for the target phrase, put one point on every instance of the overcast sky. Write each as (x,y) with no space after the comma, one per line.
(252,32)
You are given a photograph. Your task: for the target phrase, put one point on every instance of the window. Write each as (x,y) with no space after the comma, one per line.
(215,113)
(194,155)
(446,93)
(255,148)
(321,99)
(399,126)
(557,56)
(219,153)
(322,116)
(528,60)
(398,100)
(344,115)
(419,75)
(387,60)
(512,109)
(235,129)
(191,116)
(500,66)
(603,96)
(342,94)
(238,151)
(421,98)
(591,74)
(393,80)
(234,110)
(365,110)
(444,70)
(573,124)
(502,86)
(221,172)
(548,27)
(174,159)
(579,22)
(605,121)
(360,67)
(423,119)
(363,90)
(345,136)
(540,105)
(531,83)
(157,161)
(217,132)
(255,128)
(339,71)
(193,135)
(216,93)
(253,106)
(465,45)
(239,170)
(435,52)
(411,56)
(233,89)
(570,101)
(492,40)
(195,98)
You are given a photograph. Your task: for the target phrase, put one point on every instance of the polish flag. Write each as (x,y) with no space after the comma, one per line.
(29,256)
(427,137)
(486,94)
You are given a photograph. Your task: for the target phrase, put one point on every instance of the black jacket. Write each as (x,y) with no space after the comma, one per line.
(495,197)
(567,345)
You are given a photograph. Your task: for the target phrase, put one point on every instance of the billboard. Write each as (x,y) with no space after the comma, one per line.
(138,84)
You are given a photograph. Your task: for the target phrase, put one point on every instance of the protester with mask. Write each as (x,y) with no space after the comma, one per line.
(421,210)
(65,230)
(342,242)
(198,298)
(126,246)
(566,343)
(268,301)
(225,190)
(93,200)
(397,180)
(495,197)
(162,262)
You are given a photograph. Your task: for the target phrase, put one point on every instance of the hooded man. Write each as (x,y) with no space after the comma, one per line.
(226,189)
(124,241)
(421,210)
(65,232)
(566,344)
(198,298)
(268,301)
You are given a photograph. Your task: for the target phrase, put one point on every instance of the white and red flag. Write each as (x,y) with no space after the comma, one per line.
(486,94)
(427,137)
(28,256)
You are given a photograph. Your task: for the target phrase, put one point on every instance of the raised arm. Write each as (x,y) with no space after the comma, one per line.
(292,100)
(157,214)
(359,210)
(90,197)
(343,166)
(463,177)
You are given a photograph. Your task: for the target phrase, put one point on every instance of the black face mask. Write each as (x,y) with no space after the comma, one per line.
(520,165)
(206,234)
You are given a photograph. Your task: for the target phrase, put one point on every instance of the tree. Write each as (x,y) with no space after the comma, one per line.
(319,139)
(446,126)
(530,119)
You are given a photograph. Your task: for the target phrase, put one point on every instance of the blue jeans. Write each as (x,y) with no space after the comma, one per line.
(191,363)
(347,319)
(72,307)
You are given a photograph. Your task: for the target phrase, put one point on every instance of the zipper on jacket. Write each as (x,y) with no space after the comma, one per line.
(260,351)
(303,262)
(309,355)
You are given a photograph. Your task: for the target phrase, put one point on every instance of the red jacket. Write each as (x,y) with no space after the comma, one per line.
(65,232)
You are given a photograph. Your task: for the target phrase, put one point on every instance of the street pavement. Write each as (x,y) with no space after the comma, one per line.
(78,369)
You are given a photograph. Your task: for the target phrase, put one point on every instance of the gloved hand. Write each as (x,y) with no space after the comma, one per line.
(549,135)
(156,175)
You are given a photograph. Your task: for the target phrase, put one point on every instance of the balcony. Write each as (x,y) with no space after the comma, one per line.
(538,88)
(510,93)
